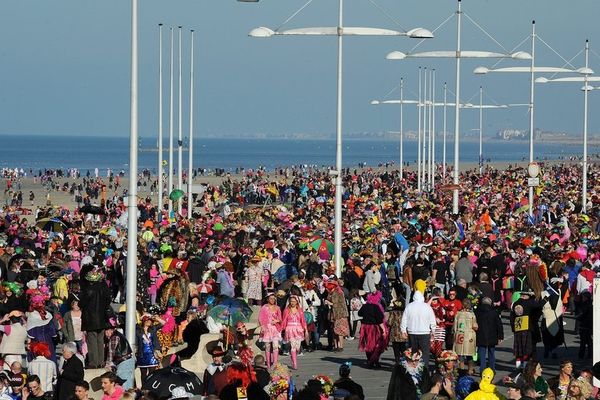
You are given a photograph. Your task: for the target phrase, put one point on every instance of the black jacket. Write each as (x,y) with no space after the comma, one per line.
(351,386)
(191,335)
(71,375)
(490,329)
(95,301)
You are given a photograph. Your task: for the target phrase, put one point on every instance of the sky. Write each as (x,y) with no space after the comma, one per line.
(65,66)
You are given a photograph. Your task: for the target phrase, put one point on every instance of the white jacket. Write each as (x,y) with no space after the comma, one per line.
(418,317)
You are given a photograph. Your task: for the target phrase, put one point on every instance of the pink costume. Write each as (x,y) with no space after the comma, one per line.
(270,332)
(295,327)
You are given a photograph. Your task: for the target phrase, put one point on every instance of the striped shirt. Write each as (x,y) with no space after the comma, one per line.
(46,370)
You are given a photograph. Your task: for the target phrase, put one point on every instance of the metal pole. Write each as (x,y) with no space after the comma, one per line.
(338,155)
(585,130)
(457,113)
(401,128)
(131,280)
(480,130)
(191,144)
(444,150)
(431,108)
(160,125)
(424,159)
(420,108)
(171,126)
(596,324)
(531,110)
(433,132)
(180,131)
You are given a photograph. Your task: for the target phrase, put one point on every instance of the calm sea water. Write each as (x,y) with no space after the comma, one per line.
(36,152)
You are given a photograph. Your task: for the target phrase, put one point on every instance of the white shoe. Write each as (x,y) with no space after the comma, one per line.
(350,338)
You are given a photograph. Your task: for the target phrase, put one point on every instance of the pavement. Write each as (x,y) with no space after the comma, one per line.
(375,381)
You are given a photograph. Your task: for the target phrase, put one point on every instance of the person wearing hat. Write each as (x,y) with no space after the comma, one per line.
(214,373)
(253,279)
(148,346)
(95,300)
(410,377)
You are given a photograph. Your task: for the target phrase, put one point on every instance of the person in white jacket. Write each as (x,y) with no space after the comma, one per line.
(418,321)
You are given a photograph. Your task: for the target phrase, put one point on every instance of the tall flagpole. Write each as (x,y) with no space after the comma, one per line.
(420,111)
(191,144)
(430,147)
(401,128)
(170,188)
(424,159)
(338,146)
(433,134)
(585,130)
(180,130)
(160,125)
(531,111)
(132,228)
(444,150)
(457,113)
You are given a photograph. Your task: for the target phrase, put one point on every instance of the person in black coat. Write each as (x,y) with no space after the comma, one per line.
(346,383)
(489,334)
(94,303)
(191,335)
(402,385)
(71,374)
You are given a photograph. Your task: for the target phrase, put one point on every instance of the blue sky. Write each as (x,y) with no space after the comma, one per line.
(65,64)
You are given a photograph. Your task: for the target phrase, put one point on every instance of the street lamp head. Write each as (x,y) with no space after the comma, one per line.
(261,32)
(585,71)
(396,55)
(589,87)
(541,79)
(419,33)
(375,102)
(521,55)
(481,70)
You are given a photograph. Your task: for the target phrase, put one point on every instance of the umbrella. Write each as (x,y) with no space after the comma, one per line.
(322,245)
(226,315)
(163,382)
(92,209)
(109,231)
(51,224)
(176,194)
(231,307)
(218,227)
(204,288)
(284,273)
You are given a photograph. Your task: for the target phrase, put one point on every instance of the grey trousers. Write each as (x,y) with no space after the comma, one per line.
(420,342)
(95,343)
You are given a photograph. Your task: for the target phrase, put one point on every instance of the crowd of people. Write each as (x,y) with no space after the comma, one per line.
(430,284)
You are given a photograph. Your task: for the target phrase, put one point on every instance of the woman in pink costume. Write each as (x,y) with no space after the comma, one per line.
(294,325)
(269,319)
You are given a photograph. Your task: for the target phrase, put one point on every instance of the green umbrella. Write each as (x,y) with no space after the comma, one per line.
(218,226)
(322,245)
(176,194)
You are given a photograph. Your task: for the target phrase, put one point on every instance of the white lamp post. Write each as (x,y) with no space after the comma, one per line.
(191,134)
(132,228)
(457,54)
(530,70)
(180,129)
(340,31)
(585,78)
(160,125)
(171,125)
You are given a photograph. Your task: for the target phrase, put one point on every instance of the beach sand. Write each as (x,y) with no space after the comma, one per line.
(64,199)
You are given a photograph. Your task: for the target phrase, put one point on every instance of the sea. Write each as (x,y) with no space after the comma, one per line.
(87,152)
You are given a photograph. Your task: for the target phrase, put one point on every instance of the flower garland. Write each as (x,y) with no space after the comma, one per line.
(326,382)
(278,387)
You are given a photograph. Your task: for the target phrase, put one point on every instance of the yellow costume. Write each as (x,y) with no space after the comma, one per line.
(487,390)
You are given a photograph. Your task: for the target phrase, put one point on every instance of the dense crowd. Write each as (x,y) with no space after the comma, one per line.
(430,284)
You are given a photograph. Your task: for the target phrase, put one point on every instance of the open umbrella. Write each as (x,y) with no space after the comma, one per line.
(284,273)
(231,309)
(92,209)
(322,245)
(51,225)
(167,382)
(176,194)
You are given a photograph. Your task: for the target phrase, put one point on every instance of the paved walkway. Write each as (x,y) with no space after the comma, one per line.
(375,382)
